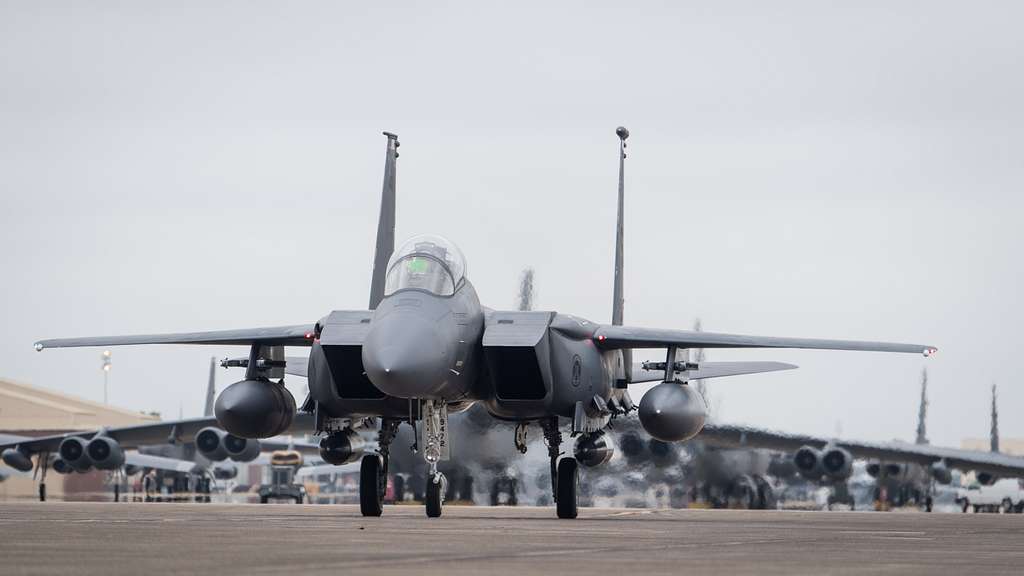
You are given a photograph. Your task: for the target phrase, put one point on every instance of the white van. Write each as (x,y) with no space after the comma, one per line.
(1006,495)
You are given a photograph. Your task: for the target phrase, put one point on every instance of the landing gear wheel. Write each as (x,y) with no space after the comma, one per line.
(435,495)
(1007,506)
(298,499)
(264,499)
(371,502)
(568,481)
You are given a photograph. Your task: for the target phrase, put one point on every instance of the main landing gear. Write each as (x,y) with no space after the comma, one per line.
(42,465)
(565,477)
(373,471)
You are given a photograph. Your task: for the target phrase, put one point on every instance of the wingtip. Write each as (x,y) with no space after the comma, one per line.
(930,351)
(39,346)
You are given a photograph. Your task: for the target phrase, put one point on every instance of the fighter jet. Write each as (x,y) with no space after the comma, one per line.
(194,449)
(426,347)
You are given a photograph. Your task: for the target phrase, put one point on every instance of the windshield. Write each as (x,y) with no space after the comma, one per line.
(429,263)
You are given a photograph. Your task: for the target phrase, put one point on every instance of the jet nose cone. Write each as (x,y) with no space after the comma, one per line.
(404,357)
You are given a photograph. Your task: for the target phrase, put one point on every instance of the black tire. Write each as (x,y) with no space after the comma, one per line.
(399,488)
(298,499)
(965,506)
(1007,506)
(434,497)
(370,472)
(568,484)
(263,499)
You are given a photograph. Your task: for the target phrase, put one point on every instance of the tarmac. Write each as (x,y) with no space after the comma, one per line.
(87,538)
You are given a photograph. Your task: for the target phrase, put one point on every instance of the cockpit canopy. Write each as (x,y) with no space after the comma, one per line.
(426,262)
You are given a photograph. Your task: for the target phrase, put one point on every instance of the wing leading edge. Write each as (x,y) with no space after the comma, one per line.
(620,337)
(296,335)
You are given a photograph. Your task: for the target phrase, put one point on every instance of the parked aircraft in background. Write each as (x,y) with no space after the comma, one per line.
(426,347)
(196,448)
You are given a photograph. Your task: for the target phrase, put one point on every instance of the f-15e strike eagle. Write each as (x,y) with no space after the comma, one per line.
(425,347)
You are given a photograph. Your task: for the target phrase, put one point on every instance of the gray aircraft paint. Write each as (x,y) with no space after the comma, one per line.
(385,224)
(211,388)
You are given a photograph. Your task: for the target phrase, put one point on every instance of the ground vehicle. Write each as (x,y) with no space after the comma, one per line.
(1005,495)
(283,464)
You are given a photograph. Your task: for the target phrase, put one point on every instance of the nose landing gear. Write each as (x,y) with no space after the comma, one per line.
(437,485)
(435,435)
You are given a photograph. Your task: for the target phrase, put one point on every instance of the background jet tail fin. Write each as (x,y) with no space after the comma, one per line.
(526,291)
(211,388)
(922,410)
(385,224)
(994,433)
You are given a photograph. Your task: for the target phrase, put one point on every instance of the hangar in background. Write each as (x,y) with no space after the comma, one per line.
(27,410)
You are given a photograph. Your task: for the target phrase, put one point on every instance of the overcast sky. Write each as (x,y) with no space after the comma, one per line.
(796,169)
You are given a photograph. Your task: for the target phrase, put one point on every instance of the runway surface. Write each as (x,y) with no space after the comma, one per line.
(80,538)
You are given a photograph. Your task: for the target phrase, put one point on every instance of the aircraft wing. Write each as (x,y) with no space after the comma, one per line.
(711,370)
(161,463)
(144,434)
(1000,465)
(297,335)
(617,337)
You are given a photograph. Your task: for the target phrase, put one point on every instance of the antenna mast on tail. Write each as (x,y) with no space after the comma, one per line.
(385,225)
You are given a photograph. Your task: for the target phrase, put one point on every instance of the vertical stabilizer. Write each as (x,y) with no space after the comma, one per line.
(922,411)
(211,388)
(526,291)
(618,300)
(385,225)
(697,357)
(994,439)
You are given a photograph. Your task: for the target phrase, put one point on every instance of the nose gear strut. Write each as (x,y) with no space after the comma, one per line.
(435,449)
